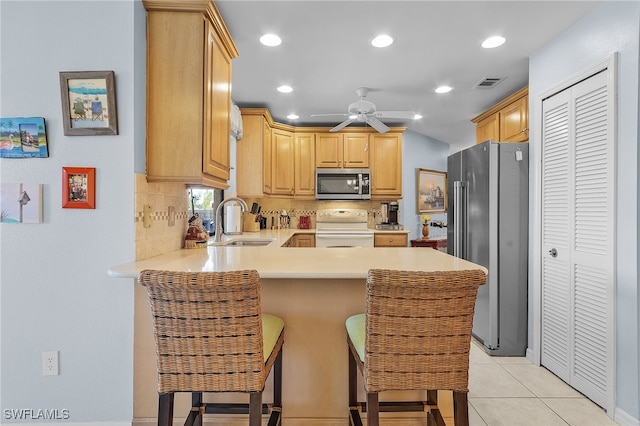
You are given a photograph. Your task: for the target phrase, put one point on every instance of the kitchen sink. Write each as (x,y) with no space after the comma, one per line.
(245,242)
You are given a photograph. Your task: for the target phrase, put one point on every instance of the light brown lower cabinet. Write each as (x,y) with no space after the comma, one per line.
(389,239)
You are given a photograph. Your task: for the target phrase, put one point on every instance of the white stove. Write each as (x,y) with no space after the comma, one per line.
(343,228)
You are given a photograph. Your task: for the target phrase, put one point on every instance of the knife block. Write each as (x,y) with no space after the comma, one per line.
(249,223)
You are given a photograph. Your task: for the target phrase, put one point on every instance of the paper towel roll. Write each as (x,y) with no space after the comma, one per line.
(232,220)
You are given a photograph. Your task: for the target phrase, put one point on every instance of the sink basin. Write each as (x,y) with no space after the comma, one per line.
(245,242)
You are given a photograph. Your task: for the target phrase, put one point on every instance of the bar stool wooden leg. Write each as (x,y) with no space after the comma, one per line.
(460,409)
(195,417)
(165,409)
(255,409)
(277,381)
(373,409)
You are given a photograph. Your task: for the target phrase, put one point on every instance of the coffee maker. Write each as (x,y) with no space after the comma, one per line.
(393,213)
(389,213)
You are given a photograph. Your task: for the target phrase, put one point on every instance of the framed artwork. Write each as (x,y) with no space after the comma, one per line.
(78,188)
(431,191)
(20,202)
(23,137)
(89,103)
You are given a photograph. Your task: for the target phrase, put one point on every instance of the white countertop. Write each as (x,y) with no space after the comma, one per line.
(274,261)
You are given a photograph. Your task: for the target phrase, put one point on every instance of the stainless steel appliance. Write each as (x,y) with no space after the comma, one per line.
(384,213)
(343,184)
(393,213)
(343,228)
(488,224)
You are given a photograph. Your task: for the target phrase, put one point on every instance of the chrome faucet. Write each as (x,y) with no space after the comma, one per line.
(243,207)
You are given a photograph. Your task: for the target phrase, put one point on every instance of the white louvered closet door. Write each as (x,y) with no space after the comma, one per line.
(578,214)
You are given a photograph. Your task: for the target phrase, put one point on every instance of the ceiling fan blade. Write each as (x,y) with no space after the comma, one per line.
(342,125)
(329,115)
(408,115)
(377,124)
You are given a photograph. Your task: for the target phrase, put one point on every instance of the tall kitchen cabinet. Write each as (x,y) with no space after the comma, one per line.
(189,53)
(507,121)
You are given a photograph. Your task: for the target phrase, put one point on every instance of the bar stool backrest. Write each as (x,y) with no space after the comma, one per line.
(418,329)
(208,330)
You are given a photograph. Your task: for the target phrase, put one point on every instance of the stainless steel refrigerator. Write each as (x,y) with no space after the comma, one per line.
(488,208)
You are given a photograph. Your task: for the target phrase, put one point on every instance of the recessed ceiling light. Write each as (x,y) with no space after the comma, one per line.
(417,117)
(270,40)
(444,89)
(492,42)
(382,40)
(285,89)
(292,117)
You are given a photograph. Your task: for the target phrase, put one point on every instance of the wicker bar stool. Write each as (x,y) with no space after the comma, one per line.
(415,335)
(211,336)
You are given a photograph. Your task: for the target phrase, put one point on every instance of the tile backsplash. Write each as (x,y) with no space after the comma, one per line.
(160,237)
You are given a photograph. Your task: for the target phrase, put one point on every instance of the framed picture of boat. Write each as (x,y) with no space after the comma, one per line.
(89,103)
(78,188)
(432,191)
(23,137)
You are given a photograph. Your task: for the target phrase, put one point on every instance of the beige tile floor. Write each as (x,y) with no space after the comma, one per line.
(511,391)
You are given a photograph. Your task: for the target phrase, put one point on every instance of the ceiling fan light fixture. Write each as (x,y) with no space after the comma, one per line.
(493,41)
(285,89)
(382,40)
(270,40)
(444,89)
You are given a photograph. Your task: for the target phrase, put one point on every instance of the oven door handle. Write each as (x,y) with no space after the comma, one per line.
(350,236)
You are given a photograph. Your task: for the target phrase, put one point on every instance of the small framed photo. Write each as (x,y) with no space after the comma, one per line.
(432,191)
(89,103)
(78,188)
(23,137)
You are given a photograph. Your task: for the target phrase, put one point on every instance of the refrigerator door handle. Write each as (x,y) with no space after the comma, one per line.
(459,221)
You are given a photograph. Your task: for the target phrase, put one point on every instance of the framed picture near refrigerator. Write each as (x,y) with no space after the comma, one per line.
(431,191)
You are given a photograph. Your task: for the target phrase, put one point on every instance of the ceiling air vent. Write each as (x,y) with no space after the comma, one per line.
(488,82)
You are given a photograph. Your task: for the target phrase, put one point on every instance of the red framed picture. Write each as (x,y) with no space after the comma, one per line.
(78,187)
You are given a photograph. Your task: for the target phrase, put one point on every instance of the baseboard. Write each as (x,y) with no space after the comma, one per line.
(624,419)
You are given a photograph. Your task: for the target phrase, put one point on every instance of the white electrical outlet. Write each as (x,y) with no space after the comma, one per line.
(50,365)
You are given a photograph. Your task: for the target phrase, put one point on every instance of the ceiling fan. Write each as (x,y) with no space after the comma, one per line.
(362,111)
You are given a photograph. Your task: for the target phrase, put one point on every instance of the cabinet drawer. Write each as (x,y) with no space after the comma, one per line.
(390,240)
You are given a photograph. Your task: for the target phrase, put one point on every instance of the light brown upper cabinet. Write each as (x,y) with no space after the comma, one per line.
(189,53)
(304,165)
(507,121)
(279,160)
(342,150)
(386,165)
(253,178)
(282,162)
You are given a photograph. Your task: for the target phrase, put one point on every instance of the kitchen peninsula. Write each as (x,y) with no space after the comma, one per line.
(313,289)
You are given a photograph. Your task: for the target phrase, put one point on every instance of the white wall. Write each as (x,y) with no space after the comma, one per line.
(611,27)
(55,293)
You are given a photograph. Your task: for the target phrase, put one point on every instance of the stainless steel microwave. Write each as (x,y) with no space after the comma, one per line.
(343,184)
